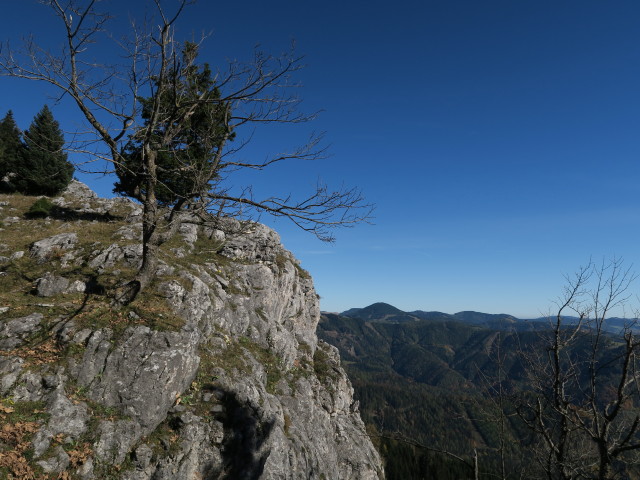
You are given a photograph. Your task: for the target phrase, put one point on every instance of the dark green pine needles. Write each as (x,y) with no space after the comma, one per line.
(11,148)
(37,166)
(187,140)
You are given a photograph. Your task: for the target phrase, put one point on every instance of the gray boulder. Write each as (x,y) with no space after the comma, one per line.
(42,250)
(107,258)
(14,331)
(50,285)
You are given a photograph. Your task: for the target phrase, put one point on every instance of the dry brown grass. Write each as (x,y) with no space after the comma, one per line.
(92,310)
(17,277)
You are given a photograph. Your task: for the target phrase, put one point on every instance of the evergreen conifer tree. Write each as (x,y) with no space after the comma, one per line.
(11,149)
(44,170)
(187,164)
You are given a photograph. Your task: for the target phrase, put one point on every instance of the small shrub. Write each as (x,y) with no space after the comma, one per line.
(302,273)
(281,262)
(41,208)
(323,366)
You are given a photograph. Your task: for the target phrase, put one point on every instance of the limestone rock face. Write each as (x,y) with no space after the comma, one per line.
(141,375)
(215,372)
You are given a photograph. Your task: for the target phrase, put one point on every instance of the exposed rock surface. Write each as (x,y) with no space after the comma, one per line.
(214,373)
(46,248)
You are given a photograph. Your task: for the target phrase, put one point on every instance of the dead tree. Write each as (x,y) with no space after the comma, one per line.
(583,401)
(152,102)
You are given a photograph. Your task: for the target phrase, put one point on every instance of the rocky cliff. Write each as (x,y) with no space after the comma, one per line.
(214,372)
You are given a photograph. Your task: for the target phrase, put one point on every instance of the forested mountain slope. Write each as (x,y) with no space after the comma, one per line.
(438,382)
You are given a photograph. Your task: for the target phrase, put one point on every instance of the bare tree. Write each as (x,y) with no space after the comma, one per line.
(472,463)
(497,392)
(142,118)
(583,403)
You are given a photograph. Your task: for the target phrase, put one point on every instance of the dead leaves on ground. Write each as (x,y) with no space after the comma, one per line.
(15,437)
(80,455)
(43,353)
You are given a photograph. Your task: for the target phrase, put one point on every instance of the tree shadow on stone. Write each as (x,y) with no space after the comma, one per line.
(244,435)
(43,208)
(65,213)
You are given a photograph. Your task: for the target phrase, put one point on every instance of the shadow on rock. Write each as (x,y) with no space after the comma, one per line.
(64,213)
(245,434)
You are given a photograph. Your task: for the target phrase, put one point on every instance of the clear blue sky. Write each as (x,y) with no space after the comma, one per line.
(499,139)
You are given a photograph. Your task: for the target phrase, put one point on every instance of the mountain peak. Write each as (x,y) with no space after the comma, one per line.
(378,308)
(469,316)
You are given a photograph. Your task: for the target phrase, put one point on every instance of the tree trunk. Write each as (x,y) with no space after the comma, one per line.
(476,470)
(149,228)
(150,238)
(605,461)
(148,268)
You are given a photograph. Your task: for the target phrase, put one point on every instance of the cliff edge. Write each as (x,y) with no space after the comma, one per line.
(214,372)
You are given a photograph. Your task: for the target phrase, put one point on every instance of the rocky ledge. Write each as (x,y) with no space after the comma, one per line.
(214,372)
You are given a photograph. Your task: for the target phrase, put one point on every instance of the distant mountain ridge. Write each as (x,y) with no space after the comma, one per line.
(380,312)
(384,312)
